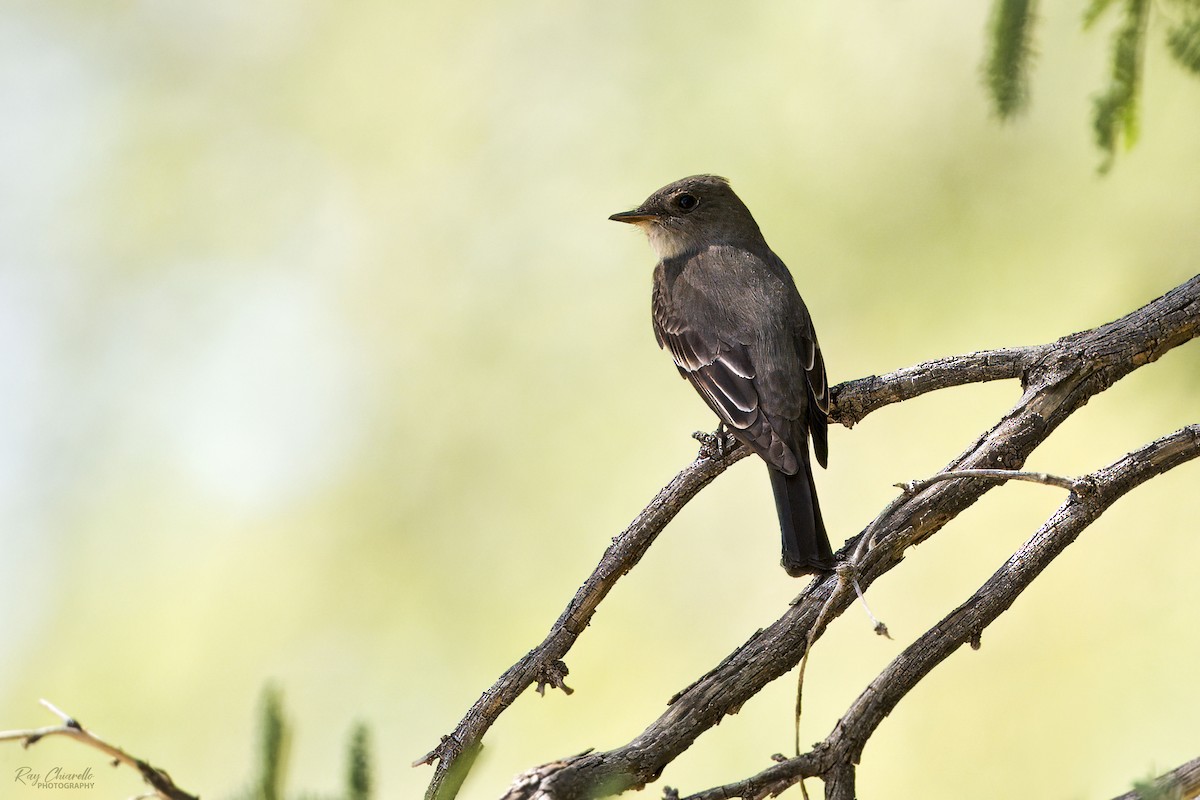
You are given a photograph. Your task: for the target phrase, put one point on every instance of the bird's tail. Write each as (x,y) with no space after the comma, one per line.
(805,544)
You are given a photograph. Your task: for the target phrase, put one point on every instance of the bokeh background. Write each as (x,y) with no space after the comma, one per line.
(321,365)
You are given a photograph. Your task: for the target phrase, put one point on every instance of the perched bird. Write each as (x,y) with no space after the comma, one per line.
(728,311)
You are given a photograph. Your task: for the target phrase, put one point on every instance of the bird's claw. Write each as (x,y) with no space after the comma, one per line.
(715,445)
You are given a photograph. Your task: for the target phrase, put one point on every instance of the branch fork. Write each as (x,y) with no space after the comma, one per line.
(1057,380)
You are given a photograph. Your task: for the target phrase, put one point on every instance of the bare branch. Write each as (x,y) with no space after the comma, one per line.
(853,400)
(1058,378)
(1182,782)
(543,665)
(912,487)
(1099,490)
(158,779)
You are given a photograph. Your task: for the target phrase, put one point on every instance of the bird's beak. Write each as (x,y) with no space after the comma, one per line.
(635,217)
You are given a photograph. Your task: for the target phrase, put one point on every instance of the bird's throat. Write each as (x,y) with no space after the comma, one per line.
(667,243)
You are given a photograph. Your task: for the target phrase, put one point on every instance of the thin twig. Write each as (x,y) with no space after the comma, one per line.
(912,487)
(813,632)
(158,780)
(880,628)
(867,539)
(58,712)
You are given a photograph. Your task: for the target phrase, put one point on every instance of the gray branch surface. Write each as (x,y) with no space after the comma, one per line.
(1057,378)
(843,747)
(1183,782)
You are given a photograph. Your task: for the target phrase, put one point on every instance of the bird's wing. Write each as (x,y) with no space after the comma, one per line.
(723,373)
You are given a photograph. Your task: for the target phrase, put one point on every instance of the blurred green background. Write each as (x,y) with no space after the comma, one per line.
(321,364)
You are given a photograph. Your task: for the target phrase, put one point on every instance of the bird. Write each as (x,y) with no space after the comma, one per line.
(728,311)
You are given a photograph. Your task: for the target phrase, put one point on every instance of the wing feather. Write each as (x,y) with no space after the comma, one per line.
(723,373)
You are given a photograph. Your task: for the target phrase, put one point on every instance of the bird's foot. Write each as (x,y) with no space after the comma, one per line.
(715,445)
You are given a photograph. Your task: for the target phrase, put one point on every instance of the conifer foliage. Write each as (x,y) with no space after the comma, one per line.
(1115,107)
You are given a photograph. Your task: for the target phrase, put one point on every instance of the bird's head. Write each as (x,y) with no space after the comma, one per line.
(692,214)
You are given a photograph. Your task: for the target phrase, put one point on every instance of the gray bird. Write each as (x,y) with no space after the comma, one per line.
(728,311)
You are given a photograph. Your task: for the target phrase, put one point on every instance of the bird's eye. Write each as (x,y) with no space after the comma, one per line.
(686,202)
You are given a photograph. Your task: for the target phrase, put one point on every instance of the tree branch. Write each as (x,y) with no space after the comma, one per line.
(543,665)
(1182,782)
(843,747)
(1058,378)
(853,400)
(159,780)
